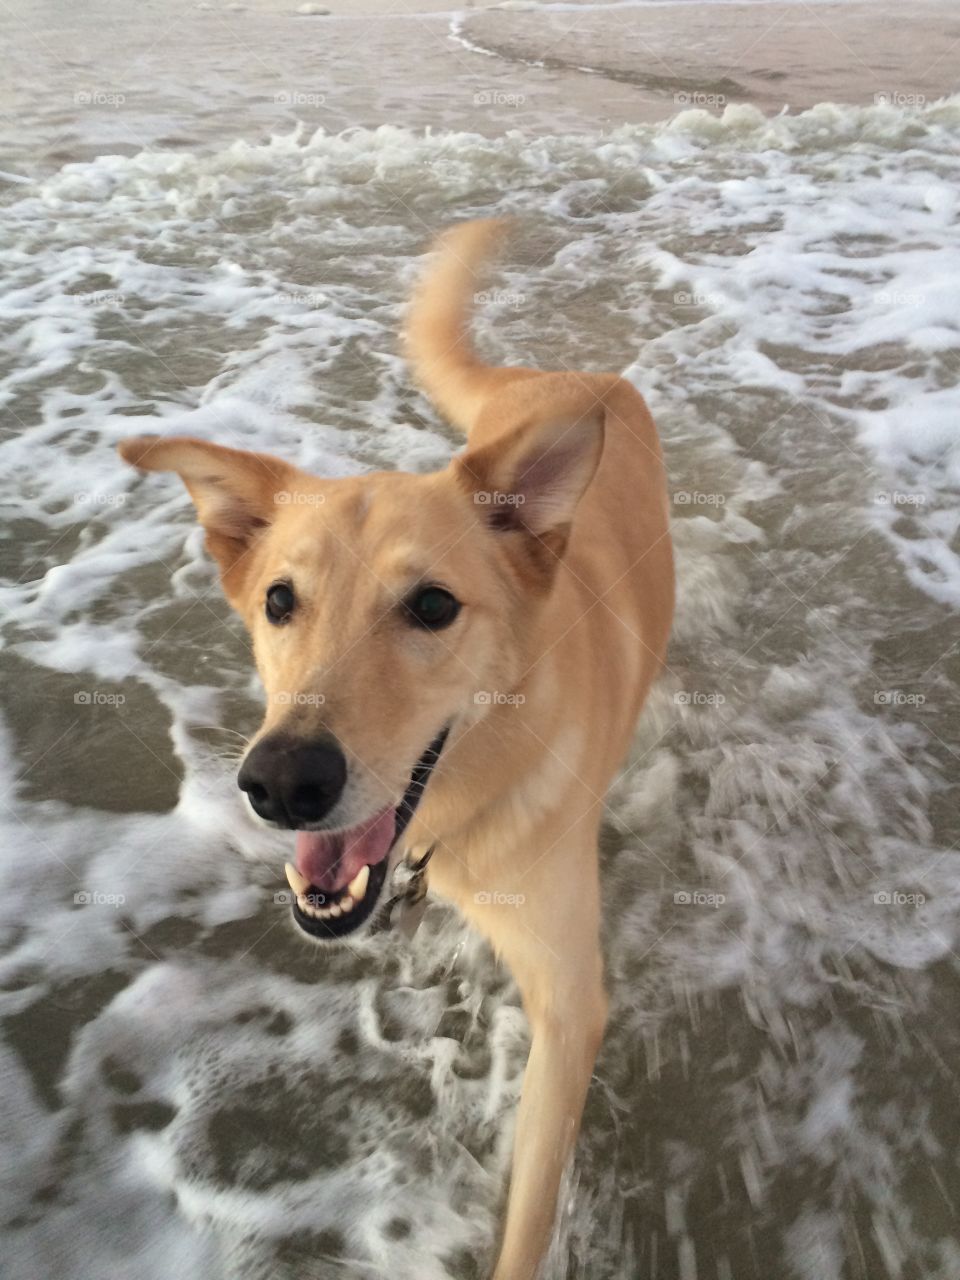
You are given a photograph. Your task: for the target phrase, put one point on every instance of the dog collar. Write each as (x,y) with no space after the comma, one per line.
(406,908)
(407,905)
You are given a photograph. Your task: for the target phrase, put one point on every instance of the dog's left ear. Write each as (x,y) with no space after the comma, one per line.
(235,493)
(531,479)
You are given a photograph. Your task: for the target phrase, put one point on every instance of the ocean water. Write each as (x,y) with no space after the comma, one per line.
(186,1088)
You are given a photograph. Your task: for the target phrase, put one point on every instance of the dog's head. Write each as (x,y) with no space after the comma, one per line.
(383,610)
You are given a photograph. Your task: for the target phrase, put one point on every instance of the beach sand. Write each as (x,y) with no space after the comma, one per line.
(774,55)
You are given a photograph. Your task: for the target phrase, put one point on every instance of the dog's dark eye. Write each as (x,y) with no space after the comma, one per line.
(433,608)
(280,602)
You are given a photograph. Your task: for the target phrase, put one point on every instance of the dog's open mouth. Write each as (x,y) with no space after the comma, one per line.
(338,876)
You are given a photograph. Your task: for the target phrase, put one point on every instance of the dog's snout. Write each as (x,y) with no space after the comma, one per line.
(291,781)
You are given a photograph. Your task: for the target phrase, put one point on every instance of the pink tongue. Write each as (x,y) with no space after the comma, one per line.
(331,859)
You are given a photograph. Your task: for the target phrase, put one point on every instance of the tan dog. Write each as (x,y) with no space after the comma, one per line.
(483,637)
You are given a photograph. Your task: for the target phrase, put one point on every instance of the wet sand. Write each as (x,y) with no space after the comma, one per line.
(772,55)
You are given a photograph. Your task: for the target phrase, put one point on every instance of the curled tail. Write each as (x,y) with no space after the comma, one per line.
(438,344)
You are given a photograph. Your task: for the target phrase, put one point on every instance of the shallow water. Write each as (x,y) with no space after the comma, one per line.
(188,1091)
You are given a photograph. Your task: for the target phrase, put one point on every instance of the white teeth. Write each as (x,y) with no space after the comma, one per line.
(358,885)
(297,882)
(307,902)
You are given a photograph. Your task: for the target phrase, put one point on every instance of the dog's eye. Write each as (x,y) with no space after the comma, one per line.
(280,602)
(433,608)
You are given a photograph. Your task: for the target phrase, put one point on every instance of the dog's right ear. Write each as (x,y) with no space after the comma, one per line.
(235,493)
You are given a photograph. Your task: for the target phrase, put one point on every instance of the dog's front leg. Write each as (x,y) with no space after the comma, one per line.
(552,946)
(554,1088)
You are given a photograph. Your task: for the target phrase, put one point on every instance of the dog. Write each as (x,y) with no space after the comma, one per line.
(454,664)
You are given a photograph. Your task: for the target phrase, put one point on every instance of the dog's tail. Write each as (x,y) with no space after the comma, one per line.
(438,342)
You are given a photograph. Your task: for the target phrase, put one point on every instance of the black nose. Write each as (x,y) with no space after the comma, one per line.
(291,781)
